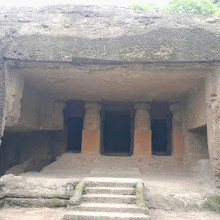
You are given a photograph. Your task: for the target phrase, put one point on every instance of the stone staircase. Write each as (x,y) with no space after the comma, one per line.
(108,198)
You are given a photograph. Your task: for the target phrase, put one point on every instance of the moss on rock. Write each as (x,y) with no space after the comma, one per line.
(212,204)
(139,191)
(141,203)
(55,203)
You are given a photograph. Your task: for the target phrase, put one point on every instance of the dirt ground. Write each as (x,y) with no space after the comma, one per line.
(57,214)
(169,215)
(31,214)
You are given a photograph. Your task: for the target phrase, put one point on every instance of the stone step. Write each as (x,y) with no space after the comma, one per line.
(76,215)
(111,182)
(110,207)
(110,190)
(107,170)
(109,198)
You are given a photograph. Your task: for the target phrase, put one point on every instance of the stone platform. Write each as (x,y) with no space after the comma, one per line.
(80,166)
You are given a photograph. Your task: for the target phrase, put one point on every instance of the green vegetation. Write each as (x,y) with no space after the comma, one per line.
(205,7)
(140,196)
(79,188)
(56,203)
(140,203)
(212,204)
(147,7)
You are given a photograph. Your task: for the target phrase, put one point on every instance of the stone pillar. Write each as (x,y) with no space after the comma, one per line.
(213,123)
(91,134)
(142,130)
(177,131)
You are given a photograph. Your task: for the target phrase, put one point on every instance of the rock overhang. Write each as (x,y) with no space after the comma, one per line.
(130,82)
(91,34)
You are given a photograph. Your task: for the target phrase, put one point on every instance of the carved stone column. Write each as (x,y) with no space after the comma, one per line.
(213,123)
(91,134)
(142,130)
(177,131)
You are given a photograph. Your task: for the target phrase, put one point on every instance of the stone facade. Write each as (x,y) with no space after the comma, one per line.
(72,58)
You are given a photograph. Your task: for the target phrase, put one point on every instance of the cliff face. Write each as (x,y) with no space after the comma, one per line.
(75,33)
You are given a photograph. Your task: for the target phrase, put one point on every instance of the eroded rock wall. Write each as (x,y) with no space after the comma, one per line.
(213,122)
(51,114)
(194,123)
(34,133)
(35,192)
(35,149)
(195,107)
(29,109)
(6,37)
(14,91)
(2,88)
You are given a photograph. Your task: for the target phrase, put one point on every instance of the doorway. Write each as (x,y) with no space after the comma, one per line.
(75,126)
(117,135)
(159,136)
(161,125)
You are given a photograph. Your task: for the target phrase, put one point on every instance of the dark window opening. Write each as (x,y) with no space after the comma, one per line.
(73,117)
(159,136)
(117,136)
(161,122)
(74,134)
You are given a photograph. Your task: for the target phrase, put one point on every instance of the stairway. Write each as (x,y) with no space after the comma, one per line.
(108,198)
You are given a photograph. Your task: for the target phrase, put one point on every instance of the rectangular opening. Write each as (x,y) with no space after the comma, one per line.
(199,142)
(74,137)
(73,118)
(161,123)
(159,136)
(117,135)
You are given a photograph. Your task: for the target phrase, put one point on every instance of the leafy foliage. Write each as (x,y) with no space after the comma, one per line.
(205,7)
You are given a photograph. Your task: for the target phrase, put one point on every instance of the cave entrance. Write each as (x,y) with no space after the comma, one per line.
(75,126)
(73,117)
(161,122)
(117,134)
(159,136)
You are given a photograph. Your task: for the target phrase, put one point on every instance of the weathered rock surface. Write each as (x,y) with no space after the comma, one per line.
(90,34)
(183,202)
(35,191)
(28,165)
(213,122)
